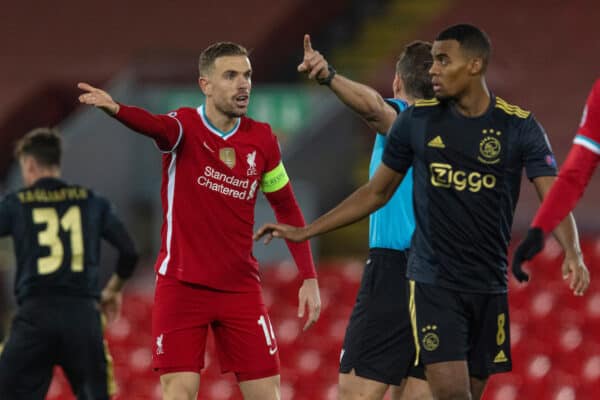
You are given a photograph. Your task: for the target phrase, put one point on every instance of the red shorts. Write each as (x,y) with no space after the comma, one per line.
(244,337)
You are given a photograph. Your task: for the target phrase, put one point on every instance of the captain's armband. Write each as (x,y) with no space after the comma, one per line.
(275,179)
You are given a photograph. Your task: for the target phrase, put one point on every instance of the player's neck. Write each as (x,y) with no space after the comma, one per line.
(475,101)
(44,173)
(408,99)
(401,94)
(222,122)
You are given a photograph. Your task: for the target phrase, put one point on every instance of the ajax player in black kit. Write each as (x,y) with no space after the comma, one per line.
(467,148)
(57,230)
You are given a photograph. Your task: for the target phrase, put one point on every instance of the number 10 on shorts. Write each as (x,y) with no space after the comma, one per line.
(269,334)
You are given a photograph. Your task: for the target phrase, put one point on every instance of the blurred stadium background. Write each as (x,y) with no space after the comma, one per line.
(546,56)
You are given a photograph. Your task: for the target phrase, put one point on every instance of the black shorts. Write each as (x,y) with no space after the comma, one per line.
(379,344)
(453,326)
(49,331)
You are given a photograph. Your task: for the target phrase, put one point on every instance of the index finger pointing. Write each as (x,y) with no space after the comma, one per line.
(307,44)
(85,86)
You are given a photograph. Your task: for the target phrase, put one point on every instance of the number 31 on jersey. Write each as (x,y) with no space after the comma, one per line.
(49,237)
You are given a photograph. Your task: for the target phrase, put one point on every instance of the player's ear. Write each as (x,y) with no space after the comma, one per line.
(204,85)
(476,66)
(27,163)
(397,85)
(28,166)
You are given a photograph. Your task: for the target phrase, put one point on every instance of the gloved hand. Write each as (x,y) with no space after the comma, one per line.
(527,249)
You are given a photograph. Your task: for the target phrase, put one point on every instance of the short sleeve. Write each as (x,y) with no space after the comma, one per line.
(397,104)
(536,151)
(398,153)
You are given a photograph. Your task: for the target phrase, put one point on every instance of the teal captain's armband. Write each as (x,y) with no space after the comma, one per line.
(275,179)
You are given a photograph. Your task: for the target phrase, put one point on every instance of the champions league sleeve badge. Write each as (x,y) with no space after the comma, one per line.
(550,160)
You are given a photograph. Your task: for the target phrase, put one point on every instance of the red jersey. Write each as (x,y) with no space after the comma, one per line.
(209,188)
(577,170)
(588,135)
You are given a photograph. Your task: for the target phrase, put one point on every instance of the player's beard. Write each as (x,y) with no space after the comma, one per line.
(230,110)
(234,114)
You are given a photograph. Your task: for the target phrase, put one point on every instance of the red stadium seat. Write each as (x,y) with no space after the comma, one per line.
(507,391)
(590,371)
(518,295)
(118,330)
(592,306)
(143,387)
(287,330)
(555,338)
(503,387)
(140,360)
(224,388)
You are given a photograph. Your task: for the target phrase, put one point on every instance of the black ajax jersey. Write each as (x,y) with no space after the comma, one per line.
(467,175)
(57,229)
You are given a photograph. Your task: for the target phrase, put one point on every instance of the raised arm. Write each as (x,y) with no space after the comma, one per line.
(166,130)
(363,99)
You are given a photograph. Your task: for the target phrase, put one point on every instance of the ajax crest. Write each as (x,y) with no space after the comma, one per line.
(490,147)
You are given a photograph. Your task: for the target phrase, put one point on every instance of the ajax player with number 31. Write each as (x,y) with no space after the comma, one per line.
(215,159)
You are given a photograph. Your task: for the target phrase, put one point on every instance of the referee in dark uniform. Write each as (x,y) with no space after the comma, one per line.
(467,148)
(57,230)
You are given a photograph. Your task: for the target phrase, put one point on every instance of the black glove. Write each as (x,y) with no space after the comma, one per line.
(533,244)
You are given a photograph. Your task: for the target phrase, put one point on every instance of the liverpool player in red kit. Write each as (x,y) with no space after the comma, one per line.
(214,162)
(572,180)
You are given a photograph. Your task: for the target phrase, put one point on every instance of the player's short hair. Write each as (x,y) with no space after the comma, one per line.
(472,39)
(413,68)
(220,49)
(43,144)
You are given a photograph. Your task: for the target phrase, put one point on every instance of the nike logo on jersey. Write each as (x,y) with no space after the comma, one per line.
(208,147)
(273,351)
(437,142)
